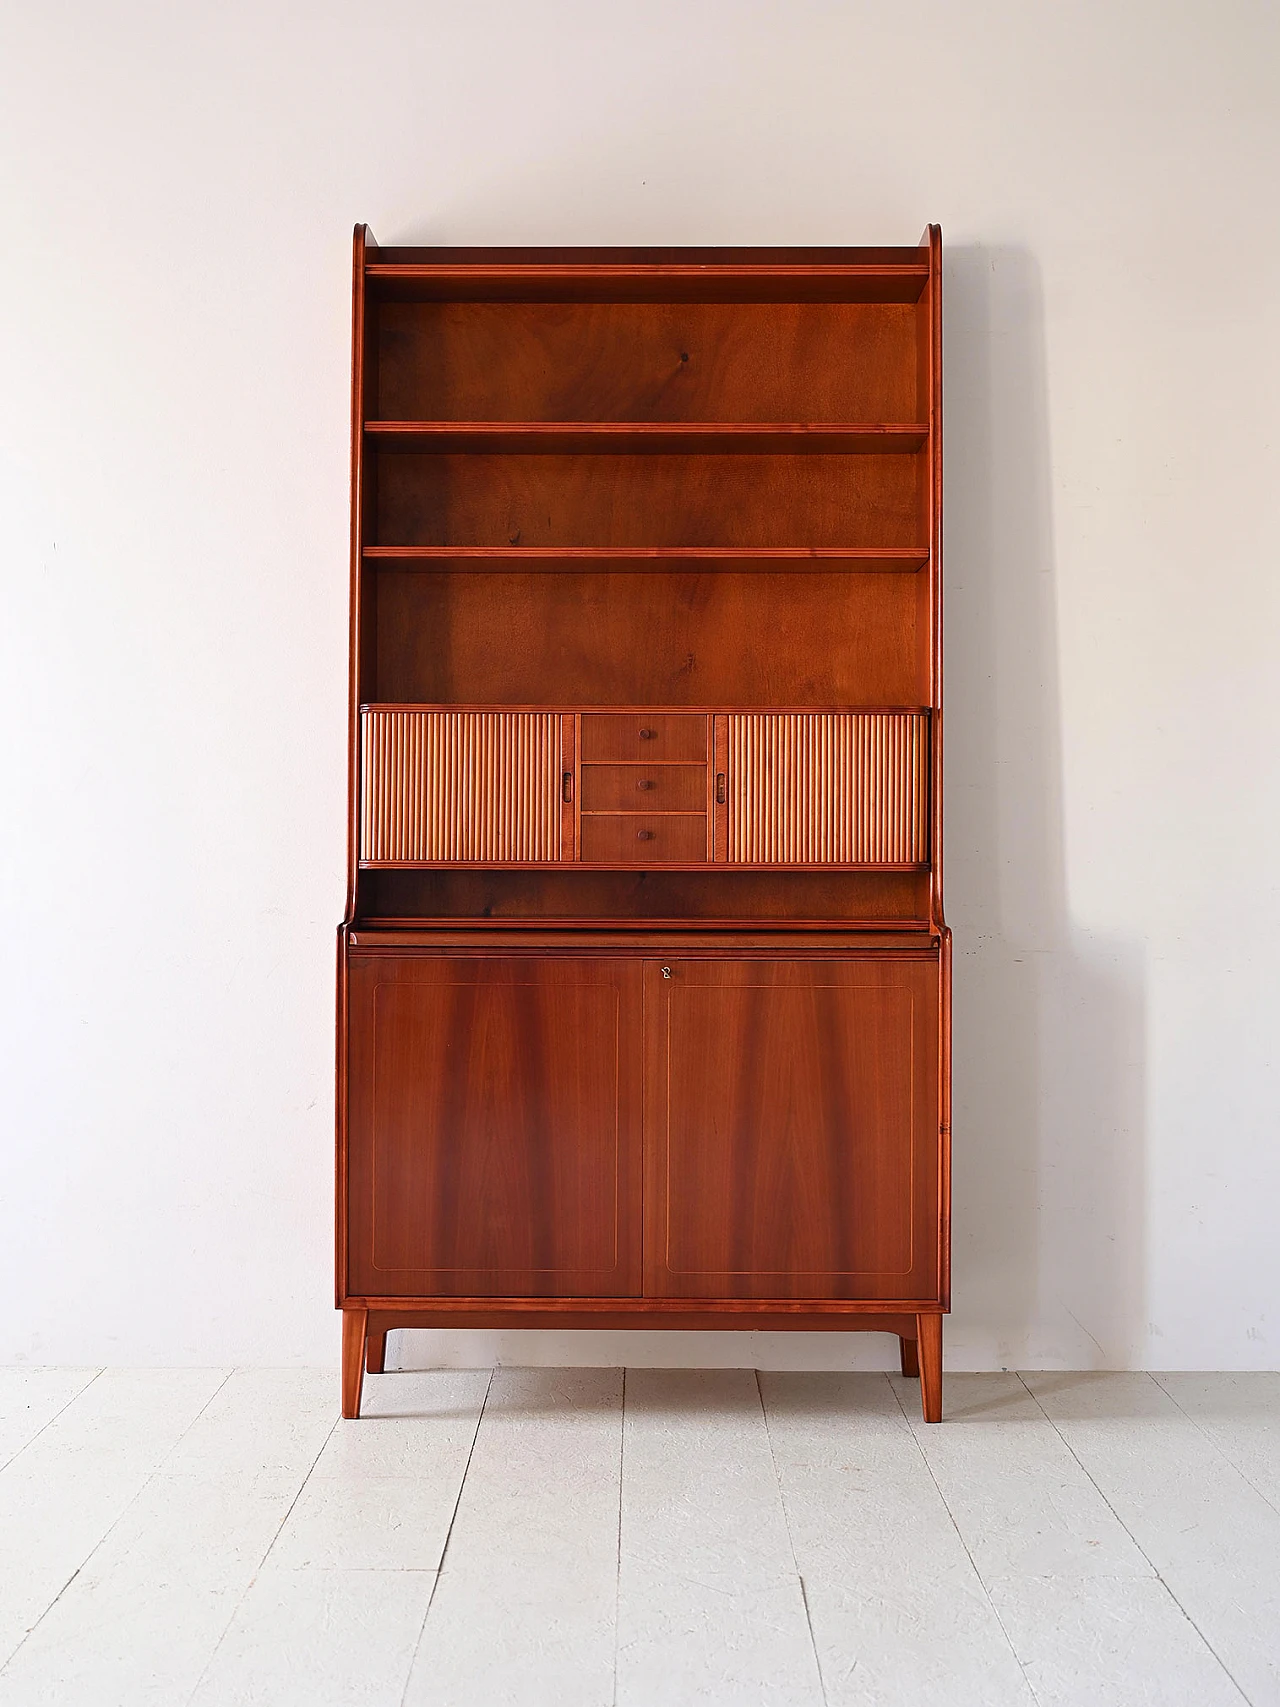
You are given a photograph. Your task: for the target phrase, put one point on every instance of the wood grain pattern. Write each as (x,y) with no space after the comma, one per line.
(643,788)
(848,788)
(494,637)
(355,1322)
(599,438)
(494,1125)
(459,785)
(659,559)
(791,1130)
(657,499)
(649,275)
(697,491)
(631,838)
(642,737)
(728,898)
(649,361)
(929,1348)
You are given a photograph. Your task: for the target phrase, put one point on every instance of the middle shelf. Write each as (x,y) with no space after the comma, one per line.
(613,437)
(658,559)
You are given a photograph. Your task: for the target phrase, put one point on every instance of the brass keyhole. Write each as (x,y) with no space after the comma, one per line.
(666,971)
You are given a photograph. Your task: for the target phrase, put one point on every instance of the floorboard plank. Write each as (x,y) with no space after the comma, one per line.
(1214,1539)
(535,1544)
(710,1604)
(1240,1413)
(319,1638)
(1022,1503)
(143,1615)
(900,1617)
(29,1401)
(62,1493)
(384,1490)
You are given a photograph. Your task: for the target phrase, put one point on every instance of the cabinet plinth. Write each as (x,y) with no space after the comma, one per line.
(644,978)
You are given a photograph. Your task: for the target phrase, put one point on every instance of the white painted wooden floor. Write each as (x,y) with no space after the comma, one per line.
(583,1539)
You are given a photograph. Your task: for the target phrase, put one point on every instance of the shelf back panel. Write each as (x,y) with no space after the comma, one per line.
(649,500)
(612,638)
(648,361)
(891,897)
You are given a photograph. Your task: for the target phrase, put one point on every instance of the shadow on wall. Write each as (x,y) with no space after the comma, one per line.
(1048,1233)
(1049,1237)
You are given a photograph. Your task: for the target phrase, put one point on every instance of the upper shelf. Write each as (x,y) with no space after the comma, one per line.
(654,558)
(615,437)
(879,280)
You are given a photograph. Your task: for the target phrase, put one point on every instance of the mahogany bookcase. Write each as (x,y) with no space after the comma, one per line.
(644,981)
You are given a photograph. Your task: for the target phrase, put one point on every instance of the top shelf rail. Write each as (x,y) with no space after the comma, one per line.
(872,281)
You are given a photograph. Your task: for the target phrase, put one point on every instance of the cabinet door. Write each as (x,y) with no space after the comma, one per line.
(792,1137)
(451,786)
(493,1126)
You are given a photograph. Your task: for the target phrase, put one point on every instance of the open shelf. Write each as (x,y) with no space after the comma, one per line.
(577,437)
(657,559)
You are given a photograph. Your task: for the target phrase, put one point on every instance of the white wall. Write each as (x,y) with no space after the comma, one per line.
(177,196)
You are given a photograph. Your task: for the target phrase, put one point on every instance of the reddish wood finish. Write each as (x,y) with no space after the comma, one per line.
(652,838)
(643,737)
(496,637)
(355,1322)
(644,788)
(494,1125)
(929,1350)
(375,1350)
(791,1129)
(689,492)
(438,498)
(909,1353)
(559,559)
(626,363)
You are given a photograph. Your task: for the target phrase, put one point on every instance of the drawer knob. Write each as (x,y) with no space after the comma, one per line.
(666,971)
(644,835)
(647,734)
(644,783)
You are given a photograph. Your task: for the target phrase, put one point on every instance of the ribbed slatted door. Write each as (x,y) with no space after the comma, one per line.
(818,788)
(459,786)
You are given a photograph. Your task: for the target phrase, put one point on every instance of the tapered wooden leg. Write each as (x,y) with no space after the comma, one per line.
(375,1359)
(929,1343)
(910,1356)
(355,1324)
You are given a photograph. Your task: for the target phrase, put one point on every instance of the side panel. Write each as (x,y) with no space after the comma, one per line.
(792,1129)
(494,1126)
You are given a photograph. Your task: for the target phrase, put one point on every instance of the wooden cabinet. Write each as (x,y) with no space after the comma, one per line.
(791,1141)
(494,1126)
(644,978)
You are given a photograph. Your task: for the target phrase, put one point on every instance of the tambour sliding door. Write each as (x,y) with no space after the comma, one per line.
(787,788)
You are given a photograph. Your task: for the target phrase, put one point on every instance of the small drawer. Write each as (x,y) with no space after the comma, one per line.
(644,788)
(617,838)
(658,736)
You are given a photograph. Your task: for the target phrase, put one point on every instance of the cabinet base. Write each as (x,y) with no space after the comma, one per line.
(365,1329)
